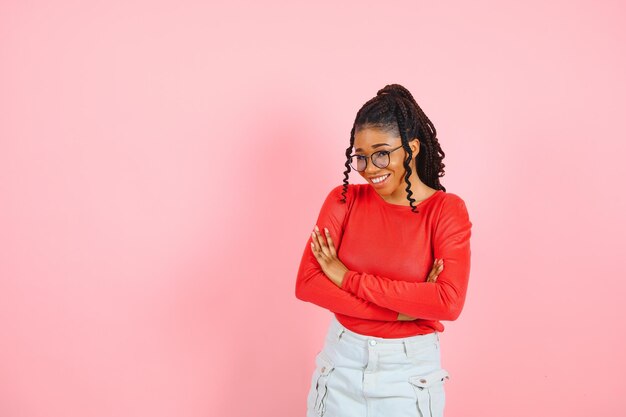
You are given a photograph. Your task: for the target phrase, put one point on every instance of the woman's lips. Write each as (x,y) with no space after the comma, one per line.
(382,183)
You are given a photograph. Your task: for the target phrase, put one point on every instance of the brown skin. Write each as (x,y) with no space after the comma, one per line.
(366,142)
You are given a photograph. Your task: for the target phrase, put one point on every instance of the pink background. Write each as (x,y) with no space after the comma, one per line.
(162,164)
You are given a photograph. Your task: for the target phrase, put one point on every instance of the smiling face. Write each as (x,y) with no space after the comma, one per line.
(392,187)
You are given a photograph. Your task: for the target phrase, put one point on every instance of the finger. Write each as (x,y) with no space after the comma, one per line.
(331,244)
(316,245)
(436,272)
(314,240)
(317,253)
(437,266)
(322,242)
(432,276)
(434,266)
(434,269)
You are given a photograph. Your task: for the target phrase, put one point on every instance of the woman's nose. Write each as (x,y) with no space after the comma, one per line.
(371,169)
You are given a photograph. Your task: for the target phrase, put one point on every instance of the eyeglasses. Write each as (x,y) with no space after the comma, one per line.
(379,159)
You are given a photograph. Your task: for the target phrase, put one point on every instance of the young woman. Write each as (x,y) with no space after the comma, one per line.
(376,260)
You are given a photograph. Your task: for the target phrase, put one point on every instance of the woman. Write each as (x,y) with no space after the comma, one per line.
(376,260)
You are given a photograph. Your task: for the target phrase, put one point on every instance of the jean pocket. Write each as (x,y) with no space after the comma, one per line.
(323,371)
(430,392)
(424,355)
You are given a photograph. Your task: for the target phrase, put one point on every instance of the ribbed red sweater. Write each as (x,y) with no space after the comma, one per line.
(389,251)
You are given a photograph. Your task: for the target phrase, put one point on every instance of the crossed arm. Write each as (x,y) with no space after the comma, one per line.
(314,286)
(440,300)
(374,297)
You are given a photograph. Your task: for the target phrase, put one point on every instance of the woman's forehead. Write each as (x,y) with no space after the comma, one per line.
(371,138)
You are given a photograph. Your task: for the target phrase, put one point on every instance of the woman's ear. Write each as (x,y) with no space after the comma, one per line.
(415,146)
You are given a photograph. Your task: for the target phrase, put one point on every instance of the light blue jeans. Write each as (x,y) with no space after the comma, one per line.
(362,376)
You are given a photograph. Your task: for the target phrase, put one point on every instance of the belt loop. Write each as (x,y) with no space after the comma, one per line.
(437,333)
(339,333)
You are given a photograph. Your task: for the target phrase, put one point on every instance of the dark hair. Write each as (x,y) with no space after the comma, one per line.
(395,111)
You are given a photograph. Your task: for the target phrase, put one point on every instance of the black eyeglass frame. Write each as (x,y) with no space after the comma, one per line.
(367,158)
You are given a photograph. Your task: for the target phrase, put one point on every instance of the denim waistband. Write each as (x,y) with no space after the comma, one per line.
(339,331)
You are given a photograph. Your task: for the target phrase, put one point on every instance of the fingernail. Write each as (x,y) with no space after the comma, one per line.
(326,230)
(316,228)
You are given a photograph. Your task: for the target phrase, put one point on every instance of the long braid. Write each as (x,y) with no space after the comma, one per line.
(401,117)
(348,167)
(373,106)
(394,110)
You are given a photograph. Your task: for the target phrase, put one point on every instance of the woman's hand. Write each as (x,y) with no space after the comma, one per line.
(435,270)
(432,277)
(326,256)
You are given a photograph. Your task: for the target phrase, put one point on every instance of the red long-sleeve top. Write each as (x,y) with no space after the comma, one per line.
(389,251)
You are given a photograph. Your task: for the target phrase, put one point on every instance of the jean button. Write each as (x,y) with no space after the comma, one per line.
(372,342)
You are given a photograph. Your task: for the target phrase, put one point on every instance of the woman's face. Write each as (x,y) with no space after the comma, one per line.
(370,140)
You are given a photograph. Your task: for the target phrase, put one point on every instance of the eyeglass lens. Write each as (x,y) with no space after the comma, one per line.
(380,159)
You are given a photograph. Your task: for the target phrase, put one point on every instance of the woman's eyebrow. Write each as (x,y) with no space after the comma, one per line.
(373,146)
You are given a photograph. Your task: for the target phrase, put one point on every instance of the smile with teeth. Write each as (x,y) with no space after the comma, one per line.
(379,179)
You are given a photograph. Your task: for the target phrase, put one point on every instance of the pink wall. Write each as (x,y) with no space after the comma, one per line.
(162,164)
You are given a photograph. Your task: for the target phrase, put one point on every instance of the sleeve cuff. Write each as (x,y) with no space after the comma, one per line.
(347,277)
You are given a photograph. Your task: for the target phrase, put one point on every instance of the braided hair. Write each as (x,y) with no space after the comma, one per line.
(395,111)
